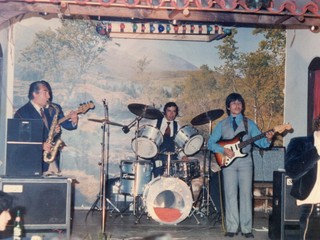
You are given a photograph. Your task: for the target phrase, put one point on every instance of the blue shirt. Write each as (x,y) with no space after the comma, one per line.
(217,133)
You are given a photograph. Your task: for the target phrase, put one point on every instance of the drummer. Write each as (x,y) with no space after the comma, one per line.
(169,127)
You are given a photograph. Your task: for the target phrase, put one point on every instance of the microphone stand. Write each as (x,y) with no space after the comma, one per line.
(103,174)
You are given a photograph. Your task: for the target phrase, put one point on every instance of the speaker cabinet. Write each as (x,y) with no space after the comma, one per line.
(285,212)
(43,203)
(266,162)
(24,160)
(24,148)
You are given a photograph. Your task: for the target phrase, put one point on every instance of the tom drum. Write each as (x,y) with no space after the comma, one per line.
(134,175)
(147,141)
(189,140)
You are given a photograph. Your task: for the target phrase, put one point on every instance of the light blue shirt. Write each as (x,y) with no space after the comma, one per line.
(217,133)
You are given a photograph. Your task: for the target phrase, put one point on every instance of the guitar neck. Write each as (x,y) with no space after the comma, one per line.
(61,120)
(251,140)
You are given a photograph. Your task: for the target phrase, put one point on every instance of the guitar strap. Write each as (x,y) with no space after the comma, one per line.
(245,122)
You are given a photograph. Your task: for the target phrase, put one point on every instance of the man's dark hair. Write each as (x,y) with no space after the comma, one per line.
(234,97)
(5,201)
(171,104)
(35,87)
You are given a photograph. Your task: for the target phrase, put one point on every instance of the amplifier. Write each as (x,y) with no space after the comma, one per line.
(285,212)
(44,203)
(24,148)
(266,162)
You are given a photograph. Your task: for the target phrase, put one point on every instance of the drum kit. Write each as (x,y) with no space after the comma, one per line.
(168,199)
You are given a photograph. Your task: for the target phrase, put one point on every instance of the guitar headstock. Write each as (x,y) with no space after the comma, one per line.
(282,128)
(84,107)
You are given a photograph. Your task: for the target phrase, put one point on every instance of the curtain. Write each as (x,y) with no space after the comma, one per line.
(316,94)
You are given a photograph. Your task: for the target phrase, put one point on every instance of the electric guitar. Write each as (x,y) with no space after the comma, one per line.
(82,109)
(236,144)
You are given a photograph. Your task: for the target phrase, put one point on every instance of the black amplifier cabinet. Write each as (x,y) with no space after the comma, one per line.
(24,148)
(285,212)
(44,203)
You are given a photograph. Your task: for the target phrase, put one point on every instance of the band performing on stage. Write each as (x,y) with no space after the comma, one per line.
(168,159)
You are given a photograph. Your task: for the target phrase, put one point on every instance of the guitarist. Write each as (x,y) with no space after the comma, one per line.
(237,177)
(40,94)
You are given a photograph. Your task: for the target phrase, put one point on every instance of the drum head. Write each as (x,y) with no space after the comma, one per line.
(168,200)
(193,145)
(146,148)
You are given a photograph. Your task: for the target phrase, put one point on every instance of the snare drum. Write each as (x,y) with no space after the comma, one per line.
(188,139)
(134,174)
(168,200)
(148,141)
(185,170)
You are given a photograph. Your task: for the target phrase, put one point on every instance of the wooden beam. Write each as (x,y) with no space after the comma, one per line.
(160,36)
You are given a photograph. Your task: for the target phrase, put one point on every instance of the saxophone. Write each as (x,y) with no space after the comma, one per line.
(49,157)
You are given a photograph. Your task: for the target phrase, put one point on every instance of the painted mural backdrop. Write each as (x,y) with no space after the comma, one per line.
(83,66)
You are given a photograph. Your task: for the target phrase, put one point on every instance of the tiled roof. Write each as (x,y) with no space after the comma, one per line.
(298,7)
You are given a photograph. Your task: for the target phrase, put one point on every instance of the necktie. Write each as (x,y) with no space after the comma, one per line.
(168,130)
(44,118)
(234,124)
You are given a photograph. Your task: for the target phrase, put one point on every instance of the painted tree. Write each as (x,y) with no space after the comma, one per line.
(228,53)
(258,75)
(262,75)
(63,54)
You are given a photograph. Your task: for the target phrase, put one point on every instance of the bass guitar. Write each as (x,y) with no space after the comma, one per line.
(236,144)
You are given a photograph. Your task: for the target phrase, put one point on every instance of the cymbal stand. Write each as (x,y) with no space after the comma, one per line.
(206,200)
(101,198)
(135,187)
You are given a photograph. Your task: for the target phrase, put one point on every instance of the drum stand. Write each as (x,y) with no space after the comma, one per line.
(136,198)
(101,197)
(206,200)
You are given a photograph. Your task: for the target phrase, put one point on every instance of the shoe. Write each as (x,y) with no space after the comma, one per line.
(229,234)
(248,235)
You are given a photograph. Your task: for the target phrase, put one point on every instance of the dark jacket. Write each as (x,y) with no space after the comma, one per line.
(301,165)
(28,111)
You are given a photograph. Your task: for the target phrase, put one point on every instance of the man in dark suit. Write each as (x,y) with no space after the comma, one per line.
(301,164)
(40,107)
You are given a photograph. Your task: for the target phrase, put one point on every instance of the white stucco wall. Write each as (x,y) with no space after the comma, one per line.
(4,35)
(301,48)
(6,86)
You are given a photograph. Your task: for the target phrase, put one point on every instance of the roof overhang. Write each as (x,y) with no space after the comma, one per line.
(241,13)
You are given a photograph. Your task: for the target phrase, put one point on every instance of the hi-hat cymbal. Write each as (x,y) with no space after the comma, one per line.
(145,111)
(206,117)
(106,121)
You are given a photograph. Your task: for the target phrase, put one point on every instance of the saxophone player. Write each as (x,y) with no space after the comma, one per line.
(40,106)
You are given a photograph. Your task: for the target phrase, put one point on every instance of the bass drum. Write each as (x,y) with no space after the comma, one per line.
(168,200)
(147,142)
(189,140)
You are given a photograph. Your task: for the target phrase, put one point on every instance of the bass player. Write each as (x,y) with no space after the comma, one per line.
(238,176)
(40,107)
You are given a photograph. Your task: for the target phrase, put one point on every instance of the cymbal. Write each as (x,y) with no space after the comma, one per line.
(145,111)
(105,121)
(206,117)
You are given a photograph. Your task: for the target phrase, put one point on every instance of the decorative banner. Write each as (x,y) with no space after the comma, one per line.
(159,30)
